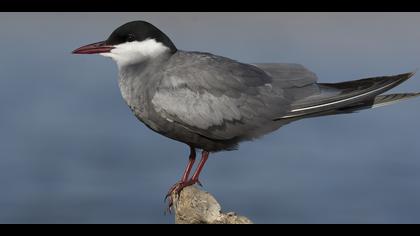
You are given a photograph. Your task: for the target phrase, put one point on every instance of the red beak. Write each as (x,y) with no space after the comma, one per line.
(94,48)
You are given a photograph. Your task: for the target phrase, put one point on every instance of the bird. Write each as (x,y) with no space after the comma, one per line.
(212,103)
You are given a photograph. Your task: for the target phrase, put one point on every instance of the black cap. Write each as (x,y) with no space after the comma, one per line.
(139,31)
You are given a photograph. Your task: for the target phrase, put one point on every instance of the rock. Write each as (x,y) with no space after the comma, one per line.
(195,206)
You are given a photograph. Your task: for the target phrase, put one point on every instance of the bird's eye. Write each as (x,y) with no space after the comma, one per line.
(130,38)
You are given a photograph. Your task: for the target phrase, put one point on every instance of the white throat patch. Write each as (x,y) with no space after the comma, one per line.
(135,52)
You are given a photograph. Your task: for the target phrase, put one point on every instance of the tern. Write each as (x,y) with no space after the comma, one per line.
(212,103)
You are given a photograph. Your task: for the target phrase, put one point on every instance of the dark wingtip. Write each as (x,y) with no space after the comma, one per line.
(404,77)
(411,74)
(408,75)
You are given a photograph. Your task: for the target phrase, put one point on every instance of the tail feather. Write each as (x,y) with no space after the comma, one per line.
(384,100)
(378,101)
(350,96)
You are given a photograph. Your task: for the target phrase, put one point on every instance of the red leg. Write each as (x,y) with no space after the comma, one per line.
(186,174)
(203,160)
(190,165)
(177,188)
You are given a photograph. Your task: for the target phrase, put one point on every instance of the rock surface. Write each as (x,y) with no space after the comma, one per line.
(195,206)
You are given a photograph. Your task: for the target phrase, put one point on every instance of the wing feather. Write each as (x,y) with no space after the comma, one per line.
(219,98)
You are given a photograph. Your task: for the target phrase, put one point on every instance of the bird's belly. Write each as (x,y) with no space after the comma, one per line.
(138,101)
(179,133)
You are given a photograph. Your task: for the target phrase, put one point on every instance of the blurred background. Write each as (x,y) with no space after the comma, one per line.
(72,152)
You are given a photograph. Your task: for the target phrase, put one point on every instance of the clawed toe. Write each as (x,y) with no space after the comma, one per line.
(171,190)
(176,189)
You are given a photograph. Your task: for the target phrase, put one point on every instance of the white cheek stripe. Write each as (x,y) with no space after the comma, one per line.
(135,52)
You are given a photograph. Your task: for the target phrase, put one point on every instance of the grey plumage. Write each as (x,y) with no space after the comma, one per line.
(203,100)
(213,102)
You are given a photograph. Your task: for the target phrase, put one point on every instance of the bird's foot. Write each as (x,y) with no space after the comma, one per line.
(176,189)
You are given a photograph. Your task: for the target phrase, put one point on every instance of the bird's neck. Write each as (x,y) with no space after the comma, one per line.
(143,68)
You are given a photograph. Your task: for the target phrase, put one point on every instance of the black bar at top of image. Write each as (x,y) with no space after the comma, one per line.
(201,6)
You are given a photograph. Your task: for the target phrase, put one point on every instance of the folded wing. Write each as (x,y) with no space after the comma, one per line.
(223,99)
